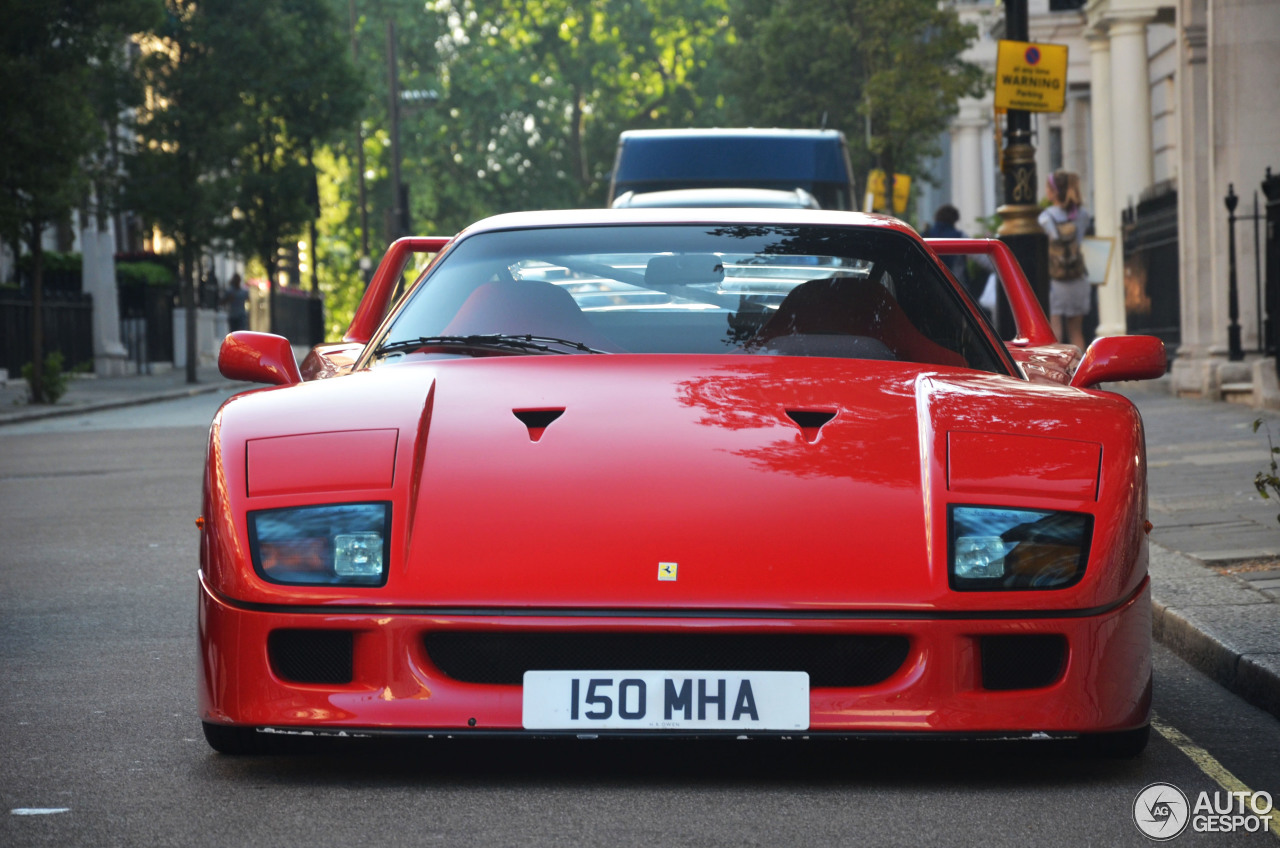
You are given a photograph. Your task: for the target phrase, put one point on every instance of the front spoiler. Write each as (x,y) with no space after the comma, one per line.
(376,733)
(937,693)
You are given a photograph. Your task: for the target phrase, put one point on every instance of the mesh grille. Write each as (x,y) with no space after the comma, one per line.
(1022,662)
(311,656)
(839,661)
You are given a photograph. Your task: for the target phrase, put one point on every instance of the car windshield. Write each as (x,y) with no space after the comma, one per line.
(784,290)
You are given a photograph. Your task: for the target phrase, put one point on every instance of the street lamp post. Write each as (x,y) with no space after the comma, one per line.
(1235,350)
(1020,227)
(397,228)
(400,223)
(364,201)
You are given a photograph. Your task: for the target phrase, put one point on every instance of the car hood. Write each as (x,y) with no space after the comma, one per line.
(683,482)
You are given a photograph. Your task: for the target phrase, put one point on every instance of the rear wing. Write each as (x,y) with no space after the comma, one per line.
(377,297)
(1033,326)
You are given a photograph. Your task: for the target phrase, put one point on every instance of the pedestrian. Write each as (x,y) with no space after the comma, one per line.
(1065,222)
(944,226)
(236,302)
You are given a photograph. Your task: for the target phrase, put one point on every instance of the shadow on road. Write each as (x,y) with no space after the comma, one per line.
(573,763)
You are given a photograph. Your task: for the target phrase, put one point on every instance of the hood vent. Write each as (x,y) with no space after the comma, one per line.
(810,421)
(537,420)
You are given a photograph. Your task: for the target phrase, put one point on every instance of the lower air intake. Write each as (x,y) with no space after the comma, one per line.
(1022,662)
(835,661)
(311,656)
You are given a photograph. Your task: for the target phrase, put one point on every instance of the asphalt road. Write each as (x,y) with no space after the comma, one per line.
(100,743)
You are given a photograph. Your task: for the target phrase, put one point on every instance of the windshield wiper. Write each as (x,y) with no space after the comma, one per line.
(496,341)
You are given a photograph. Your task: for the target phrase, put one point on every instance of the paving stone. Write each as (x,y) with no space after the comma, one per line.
(1258,680)
(1232,555)
(1240,628)
(1172,565)
(1206,592)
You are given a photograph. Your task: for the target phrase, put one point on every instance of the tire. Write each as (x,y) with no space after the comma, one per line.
(1123,745)
(234,741)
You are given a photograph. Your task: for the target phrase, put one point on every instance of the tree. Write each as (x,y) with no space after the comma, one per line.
(240,96)
(182,176)
(63,69)
(534,94)
(886,72)
(300,97)
(531,98)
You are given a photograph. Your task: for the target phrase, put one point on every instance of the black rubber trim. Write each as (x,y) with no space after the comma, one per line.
(800,615)
(372,733)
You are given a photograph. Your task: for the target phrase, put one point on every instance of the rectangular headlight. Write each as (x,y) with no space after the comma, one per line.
(993,548)
(332,544)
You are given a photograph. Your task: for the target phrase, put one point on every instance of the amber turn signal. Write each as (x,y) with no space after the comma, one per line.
(1148,526)
(199,522)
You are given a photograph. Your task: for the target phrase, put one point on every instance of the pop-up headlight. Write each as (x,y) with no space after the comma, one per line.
(993,548)
(345,544)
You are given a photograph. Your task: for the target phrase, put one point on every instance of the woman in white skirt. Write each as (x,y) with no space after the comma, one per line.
(1065,222)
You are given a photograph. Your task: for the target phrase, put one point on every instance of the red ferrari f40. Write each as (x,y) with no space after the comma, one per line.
(679,472)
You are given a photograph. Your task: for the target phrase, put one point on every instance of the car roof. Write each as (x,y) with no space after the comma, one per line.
(796,198)
(556,218)
(724,132)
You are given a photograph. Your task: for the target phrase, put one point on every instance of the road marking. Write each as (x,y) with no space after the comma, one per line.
(1210,766)
(38,811)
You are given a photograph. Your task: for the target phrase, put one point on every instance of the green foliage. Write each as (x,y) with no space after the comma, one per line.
(54,383)
(63,77)
(886,72)
(301,91)
(990,225)
(181,172)
(1268,482)
(53,261)
(144,274)
(532,96)
(338,248)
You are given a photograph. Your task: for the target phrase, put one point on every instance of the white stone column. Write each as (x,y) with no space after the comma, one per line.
(1111,314)
(966,164)
(1198,204)
(97,246)
(1130,107)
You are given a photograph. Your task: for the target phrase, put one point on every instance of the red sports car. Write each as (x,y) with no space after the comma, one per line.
(679,472)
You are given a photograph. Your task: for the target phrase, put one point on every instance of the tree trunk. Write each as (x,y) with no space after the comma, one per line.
(271,259)
(886,162)
(37,315)
(577,158)
(189,301)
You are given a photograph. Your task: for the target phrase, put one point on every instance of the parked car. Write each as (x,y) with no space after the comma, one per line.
(746,472)
(816,161)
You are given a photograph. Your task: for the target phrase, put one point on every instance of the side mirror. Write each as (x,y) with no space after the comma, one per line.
(1114,358)
(258,358)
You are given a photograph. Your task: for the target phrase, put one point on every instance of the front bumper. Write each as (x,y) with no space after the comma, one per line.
(1104,684)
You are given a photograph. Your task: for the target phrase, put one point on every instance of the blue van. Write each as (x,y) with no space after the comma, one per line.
(662,160)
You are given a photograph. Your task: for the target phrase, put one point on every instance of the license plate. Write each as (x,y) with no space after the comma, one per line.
(666,700)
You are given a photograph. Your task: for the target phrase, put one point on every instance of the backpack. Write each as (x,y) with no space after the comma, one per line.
(1066,262)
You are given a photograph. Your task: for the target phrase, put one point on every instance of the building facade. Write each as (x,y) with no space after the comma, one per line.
(1170,104)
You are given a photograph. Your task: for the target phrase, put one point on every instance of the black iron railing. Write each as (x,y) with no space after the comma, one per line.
(68,327)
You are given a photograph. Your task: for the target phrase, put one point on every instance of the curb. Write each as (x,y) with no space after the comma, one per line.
(1197,635)
(35,414)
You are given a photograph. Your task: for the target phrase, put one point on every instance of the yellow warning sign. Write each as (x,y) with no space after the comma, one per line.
(1031,77)
(875,192)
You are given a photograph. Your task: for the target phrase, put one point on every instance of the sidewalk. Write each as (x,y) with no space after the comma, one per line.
(1215,552)
(89,393)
